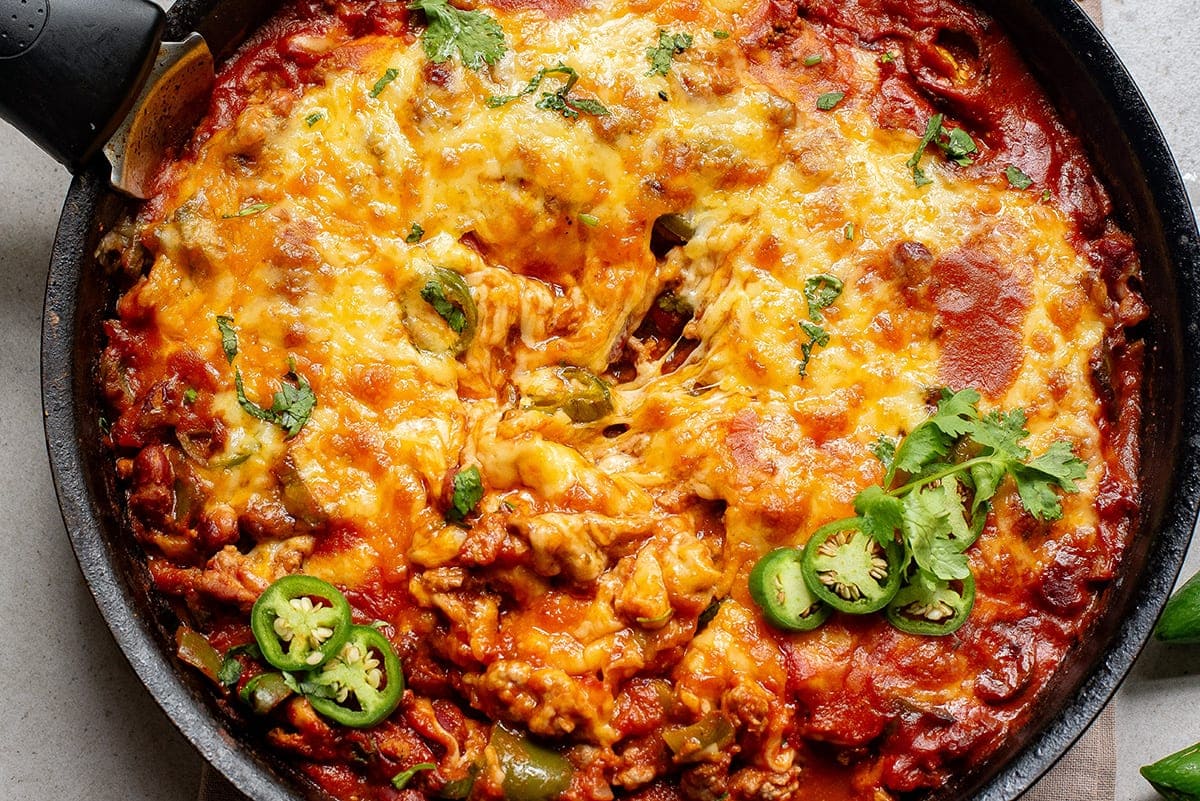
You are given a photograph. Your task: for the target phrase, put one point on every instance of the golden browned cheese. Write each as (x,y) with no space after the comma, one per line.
(577,582)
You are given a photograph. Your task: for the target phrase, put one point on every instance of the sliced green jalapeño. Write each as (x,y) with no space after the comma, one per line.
(442,316)
(300,622)
(578,392)
(851,571)
(362,684)
(932,607)
(777,585)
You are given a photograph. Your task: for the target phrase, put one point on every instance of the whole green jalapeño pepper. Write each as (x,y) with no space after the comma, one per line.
(300,622)
(1180,622)
(1176,777)
(932,609)
(777,585)
(851,571)
(362,684)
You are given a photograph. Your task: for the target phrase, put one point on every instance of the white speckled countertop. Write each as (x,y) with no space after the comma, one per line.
(77,724)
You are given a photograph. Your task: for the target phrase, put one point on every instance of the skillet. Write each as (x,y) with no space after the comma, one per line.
(1080,73)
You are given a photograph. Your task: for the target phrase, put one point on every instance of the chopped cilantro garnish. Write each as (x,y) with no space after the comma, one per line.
(293,403)
(388,76)
(953,464)
(958,147)
(313,119)
(817,337)
(669,45)
(291,406)
(229,342)
(247,211)
(1016,178)
(434,294)
(813,60)
(720,34)
(415,234)
(829,100)
(467,492)
(1045,195)
(190,395)
(821,291)
(848,231)
(590,220)
(476,36)
(887,58)
(230,672)
(560,101)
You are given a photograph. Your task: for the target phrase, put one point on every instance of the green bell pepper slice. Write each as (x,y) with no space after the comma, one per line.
(265,691)
(531,772)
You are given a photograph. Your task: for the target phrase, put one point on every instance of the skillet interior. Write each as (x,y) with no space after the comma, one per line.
(1078,70)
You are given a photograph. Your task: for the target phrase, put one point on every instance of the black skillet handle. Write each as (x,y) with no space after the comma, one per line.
(70,69)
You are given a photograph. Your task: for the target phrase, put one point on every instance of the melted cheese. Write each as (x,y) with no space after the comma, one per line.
(778,191)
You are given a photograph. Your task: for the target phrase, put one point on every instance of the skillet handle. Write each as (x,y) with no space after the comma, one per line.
(70,69)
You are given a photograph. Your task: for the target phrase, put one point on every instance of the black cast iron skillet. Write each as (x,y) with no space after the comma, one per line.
(1099,101)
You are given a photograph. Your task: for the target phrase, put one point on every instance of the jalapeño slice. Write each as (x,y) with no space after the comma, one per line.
(300,622)
(851,571)
(441,315)
(581,394)
(777,585)
(362,684)
(933,609)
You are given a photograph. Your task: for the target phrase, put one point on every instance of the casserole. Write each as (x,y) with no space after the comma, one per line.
(1152,390)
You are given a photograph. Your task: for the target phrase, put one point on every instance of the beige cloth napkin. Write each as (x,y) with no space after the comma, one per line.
(1086,773)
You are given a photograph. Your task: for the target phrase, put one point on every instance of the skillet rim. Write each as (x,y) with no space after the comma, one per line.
(70,441)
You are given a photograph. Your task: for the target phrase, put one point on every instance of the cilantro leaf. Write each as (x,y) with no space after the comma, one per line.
(229,340)
(817,337)
(927,533)
(925,445)
(959,146)
(434,294)
(230,672)
(829,100)
(293,405)
(931,131)
(885,451)
(560,101)
(669,45)
(1057,467)
(958,411)
(467,492)
(415,234)
(476,36)
(1016,178)
(881,514)
(821,291)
